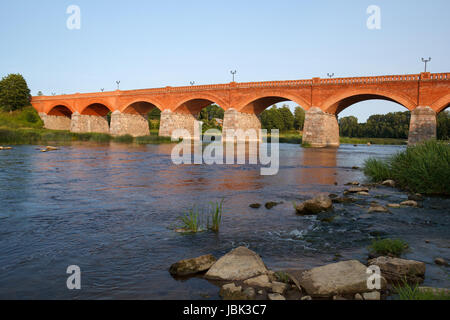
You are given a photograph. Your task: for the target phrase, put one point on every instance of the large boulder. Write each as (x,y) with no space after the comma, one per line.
(239,264)
(342,278)
(192,266)
(314,206)
(397,270)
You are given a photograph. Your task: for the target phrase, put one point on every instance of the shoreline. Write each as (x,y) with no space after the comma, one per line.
(36,136)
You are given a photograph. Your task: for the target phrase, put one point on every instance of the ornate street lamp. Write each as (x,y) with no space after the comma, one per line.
(330,75)
(118,84)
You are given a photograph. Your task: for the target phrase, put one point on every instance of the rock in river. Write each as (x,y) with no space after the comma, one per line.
(231,292)
(378,208)
(192,266)
(389,183)
(410,203)
(315,205)
(395,270)
(341,278)
(239,264)
(261,281)
(358,189)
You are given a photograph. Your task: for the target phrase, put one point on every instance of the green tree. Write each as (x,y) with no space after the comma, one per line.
(443,125)
(299,118)
(14,92)
(287,117)
(272,119)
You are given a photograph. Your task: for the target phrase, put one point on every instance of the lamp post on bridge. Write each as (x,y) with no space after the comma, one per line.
(426,61)
(330,75)
(118,85)
(192,83)
(233,73)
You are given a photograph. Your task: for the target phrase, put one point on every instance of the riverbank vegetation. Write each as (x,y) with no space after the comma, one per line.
(414,292)
(424,168)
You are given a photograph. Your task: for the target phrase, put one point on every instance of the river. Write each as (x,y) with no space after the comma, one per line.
(111,209)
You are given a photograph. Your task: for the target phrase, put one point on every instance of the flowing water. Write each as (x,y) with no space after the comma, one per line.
(110,209)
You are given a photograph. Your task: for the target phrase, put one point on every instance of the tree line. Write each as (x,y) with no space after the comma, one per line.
(390,125)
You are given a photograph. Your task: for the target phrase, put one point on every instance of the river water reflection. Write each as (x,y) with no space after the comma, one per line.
(110,209)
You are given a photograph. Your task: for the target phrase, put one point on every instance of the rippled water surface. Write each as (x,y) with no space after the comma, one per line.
(110,209)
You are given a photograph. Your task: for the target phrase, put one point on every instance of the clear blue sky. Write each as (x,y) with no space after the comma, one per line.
(148,44)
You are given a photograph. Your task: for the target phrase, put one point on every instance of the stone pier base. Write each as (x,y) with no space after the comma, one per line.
(171,121)
(84,123)
(321,129)
(422,125)
(234,120)
(135,125)
(55,122)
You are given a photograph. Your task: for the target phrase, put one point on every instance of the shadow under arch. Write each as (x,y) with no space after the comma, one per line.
(96,109)
(139,107)
(60,111)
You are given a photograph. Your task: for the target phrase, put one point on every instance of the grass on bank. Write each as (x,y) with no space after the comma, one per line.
(414,292)
(390,247)
(424,168)
(295,137)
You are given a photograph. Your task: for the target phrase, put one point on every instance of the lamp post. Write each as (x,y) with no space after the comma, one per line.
(192,83)
(118,84)
(426,61)
(233,73)
(102,89)
(330,75)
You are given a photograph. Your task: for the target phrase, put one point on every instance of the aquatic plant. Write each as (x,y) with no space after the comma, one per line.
(191,221)
(194,221)
(413,292)
(424,168)
(391,247)
(216,215)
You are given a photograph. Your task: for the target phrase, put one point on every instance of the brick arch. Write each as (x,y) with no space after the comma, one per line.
(258,102)
(61,111)
(98,108)
(337,103)
(50,107)
(196,102)
(441,104)
(140,108)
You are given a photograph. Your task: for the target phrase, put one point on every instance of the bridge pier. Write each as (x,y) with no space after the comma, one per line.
(171,121)
(235,120)
(135,125)
(85,123)
(55,122)
(321,129)
(422,125)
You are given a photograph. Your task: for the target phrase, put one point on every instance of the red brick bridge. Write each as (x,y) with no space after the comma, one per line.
(425,95)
